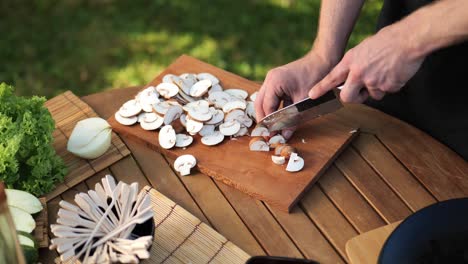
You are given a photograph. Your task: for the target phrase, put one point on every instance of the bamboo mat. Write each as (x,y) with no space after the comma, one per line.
(67,109)
(180,237)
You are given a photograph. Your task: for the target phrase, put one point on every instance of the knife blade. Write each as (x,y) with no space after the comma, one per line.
(301,111)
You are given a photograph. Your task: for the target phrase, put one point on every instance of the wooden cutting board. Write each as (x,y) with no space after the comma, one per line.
(318,142)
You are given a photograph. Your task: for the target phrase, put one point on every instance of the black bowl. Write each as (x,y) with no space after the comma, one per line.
(435,234)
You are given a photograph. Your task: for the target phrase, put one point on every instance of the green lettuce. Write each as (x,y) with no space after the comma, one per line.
(27,159)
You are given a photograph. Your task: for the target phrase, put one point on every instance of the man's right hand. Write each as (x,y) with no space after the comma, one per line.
(291,83)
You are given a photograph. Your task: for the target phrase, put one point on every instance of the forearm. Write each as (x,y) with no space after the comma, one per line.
(336,22)
(435,26)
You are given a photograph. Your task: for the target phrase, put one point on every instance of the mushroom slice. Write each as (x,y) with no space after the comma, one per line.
(200,88)
(279,148)
(163,107)
(126,121)
(189,79)
(148,108)
(213,139)
(253,96)
(250,110)
(167,137)
(215,88)
(245,121)
(151,121)
(287,151)
(229,128)
(201,114)
(140,116)
(275,140)
(183,93)
(172,114)
(167,90)
(219,99)
(237,93)
(196,104)
(193,126)
(183,140)
(278,160)
(295,163)
(236,104)
(170,78)
(130,108)
(258,144)
(184,163)
(208,76)
(207,130)
(183,119)
(260,131)
(217,116)
(242,132)
(148,96)
(235,114)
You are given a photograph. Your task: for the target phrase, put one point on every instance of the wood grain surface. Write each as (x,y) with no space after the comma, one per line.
(318,142)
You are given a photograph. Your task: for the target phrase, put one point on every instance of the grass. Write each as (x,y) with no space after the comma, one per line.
(49,46)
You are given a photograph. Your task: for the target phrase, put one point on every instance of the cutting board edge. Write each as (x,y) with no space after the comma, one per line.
(355,133)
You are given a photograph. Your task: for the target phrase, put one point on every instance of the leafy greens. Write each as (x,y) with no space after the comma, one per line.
(27,159)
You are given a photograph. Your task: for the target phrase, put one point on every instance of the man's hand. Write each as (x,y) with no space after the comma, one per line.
(381,64)
(290,83)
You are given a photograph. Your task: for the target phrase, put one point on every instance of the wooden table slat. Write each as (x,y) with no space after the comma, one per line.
(349,201)
(403,183)
(372,187)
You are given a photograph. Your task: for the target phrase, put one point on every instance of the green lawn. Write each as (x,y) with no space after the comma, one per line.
(49,46)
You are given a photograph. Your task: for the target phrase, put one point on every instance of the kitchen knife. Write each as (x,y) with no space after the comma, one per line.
(302,111)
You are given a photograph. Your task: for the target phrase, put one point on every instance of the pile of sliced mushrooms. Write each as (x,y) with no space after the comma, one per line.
(197,104)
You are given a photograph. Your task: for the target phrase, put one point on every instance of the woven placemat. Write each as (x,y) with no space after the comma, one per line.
(180,237)
(67,109)
(40,232)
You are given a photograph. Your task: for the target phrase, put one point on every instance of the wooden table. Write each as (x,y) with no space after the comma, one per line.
(388,172)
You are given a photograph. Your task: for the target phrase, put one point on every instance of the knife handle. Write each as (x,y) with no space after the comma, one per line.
(309,103)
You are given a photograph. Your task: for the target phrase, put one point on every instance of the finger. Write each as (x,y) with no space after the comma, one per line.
(332,80)
(376,94)
(287,133)
(260,114)
(353,91)
(271,101)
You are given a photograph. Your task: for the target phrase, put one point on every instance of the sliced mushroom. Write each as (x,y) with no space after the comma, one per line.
(184,163)
(200,88)
(167,90)
(242,132)
(219,99)
(193,126)
(207,130)
(280,160)
(236,104)
(148,108)
(215,88)
(167,137)
(170,78)
(130,108)
(183,140)
(126,121)
(213,139)
(189,78)
(163,107)
(295,163)
(237,93)
(208,76)
(260,131)
(253,96)
(140,116)
(245,121)
(250,110)
(172,114)
(258,144)
(229,128)
(183,93)
(279,148)
(148,96)
(277,139)
(287,151)
(217,116)
(196,104)
(201,114)
(151,121)
(235,114)
(183,119)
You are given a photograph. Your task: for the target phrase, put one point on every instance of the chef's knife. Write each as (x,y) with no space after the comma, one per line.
(302,111)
